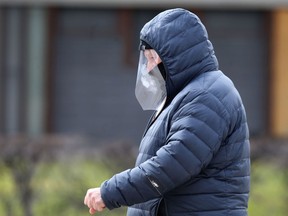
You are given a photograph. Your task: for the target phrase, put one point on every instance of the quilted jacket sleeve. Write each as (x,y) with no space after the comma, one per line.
(195,133)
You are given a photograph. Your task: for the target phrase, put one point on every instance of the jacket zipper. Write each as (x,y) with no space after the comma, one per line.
(153,183)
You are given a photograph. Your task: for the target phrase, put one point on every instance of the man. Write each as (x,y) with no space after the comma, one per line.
(194,155)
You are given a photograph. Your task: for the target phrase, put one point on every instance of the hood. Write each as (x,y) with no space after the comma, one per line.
(181,41)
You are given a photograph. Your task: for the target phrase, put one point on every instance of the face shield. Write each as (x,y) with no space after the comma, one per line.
(150,88)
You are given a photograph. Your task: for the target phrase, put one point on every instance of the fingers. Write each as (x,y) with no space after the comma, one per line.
(92,211)
(94,201)
(86,199)
(89,198)
(96,205)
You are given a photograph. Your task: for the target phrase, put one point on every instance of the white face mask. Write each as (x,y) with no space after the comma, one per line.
(150,88)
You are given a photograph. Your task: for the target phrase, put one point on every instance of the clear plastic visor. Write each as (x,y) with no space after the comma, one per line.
(150,87)
(148,60)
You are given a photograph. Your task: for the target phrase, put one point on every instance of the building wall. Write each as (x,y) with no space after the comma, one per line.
(90,69)
(94,89)
(241,41)
(279,75)
(12,70)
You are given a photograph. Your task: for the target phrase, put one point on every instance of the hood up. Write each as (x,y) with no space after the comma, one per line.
(181,41)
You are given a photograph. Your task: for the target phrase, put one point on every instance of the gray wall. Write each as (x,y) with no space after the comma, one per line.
(241,42)
(93,89)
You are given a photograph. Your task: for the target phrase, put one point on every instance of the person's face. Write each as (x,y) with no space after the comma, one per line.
(153,59)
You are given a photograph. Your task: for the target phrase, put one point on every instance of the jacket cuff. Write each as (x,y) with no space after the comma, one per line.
(104,196)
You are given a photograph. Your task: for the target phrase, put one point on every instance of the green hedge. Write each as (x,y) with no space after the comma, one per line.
(59,188)
(269,186)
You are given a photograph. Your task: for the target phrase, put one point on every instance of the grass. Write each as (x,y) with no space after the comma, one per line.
(62,187)
(7,194)
(59,189)
(268,190)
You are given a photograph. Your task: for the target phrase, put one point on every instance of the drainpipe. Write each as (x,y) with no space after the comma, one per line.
(36,65)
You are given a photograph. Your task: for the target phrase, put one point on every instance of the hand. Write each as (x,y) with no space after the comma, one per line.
(94,201)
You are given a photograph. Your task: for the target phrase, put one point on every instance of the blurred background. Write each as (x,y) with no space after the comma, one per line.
(68,115)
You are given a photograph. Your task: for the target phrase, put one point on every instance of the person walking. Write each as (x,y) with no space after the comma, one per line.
(194,156)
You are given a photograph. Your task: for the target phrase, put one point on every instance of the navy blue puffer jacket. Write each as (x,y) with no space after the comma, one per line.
(194,157)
